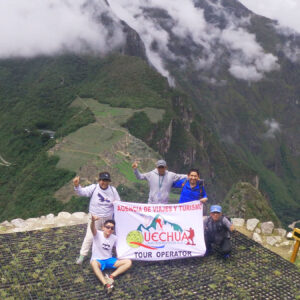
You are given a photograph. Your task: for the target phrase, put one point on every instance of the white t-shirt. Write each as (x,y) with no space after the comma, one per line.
(101,203)
(102,247)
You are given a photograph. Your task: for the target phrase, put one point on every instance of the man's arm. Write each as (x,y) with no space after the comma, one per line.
(93,227)
(178,184)
(177,177)
(116,195)
(137,173)
(203,198)
(228,224)
(84,192)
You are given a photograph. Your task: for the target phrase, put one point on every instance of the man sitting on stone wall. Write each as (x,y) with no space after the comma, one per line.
(217,230)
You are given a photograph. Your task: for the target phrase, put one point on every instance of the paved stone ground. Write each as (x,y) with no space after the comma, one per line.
(40,265)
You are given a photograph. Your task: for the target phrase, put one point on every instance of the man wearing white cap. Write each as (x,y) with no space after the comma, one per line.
(160,181)
(217,230)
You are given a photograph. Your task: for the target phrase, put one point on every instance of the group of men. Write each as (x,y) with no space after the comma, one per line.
(101,225)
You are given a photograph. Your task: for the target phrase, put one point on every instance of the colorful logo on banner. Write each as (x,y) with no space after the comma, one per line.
(158,233)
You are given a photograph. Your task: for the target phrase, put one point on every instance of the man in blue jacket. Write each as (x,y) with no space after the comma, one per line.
(192,187)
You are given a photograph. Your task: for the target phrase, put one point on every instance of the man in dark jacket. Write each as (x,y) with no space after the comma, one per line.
(217,230)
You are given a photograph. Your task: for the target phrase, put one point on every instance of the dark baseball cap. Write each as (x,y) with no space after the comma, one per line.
(161,163)
(104,176)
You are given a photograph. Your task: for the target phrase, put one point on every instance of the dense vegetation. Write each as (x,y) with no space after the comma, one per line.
(245,201)
(36,94)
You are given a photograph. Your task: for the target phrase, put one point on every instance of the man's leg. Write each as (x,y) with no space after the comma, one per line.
(226,247)
(96,268)
(122,265)
(208,243)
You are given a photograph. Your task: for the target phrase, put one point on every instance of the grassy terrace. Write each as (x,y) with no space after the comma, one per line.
(40,265)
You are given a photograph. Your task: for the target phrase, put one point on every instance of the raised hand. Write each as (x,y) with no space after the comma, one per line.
(135,165)
(76,181)
(95,218)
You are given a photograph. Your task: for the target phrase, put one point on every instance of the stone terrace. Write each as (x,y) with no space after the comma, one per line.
(40,265)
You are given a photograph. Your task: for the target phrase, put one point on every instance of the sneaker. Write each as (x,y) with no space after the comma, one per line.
(109,288)
(109,279)
(80,259)
(226,256)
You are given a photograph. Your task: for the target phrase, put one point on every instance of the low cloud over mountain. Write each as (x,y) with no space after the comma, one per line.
(30,28)
(285,12)
(207,28)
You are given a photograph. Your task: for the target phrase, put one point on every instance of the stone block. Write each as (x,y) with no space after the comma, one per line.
(285,244)
(19,223)
(64,215)
(6,224)
(278,238)
(257,230)
(257,238)
(251,224)
(280,231)
(80,215)
(267,227)
(31,220)
(271,240)
(238,222)
(50,221)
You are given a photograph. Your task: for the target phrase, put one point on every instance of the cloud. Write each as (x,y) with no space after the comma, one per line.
(180,18)
(29,28)
(248,60)
(286,12)
(272,128)
(34,27)
(291,52)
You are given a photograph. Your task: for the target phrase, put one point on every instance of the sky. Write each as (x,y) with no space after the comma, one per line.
(286,12)
(48,27)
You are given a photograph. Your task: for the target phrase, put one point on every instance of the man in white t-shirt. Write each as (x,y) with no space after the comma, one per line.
(102,196)
(103,243)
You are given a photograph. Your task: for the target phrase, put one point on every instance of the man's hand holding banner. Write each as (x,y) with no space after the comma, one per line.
(159,231)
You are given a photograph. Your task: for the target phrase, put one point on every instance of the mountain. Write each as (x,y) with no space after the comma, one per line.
(223,92)
(158,219)
(245,201)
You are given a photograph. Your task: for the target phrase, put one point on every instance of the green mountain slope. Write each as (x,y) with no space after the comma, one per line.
(245,201)
(38,94)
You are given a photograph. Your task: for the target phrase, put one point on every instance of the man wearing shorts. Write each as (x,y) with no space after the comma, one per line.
(103,243)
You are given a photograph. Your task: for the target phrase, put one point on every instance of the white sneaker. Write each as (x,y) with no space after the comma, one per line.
(109,280)
(80,259)
(109,288)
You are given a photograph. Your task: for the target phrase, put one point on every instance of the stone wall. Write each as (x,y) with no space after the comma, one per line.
(276,239)
(62,219)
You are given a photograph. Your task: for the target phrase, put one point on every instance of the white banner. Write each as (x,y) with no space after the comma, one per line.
(159,231)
